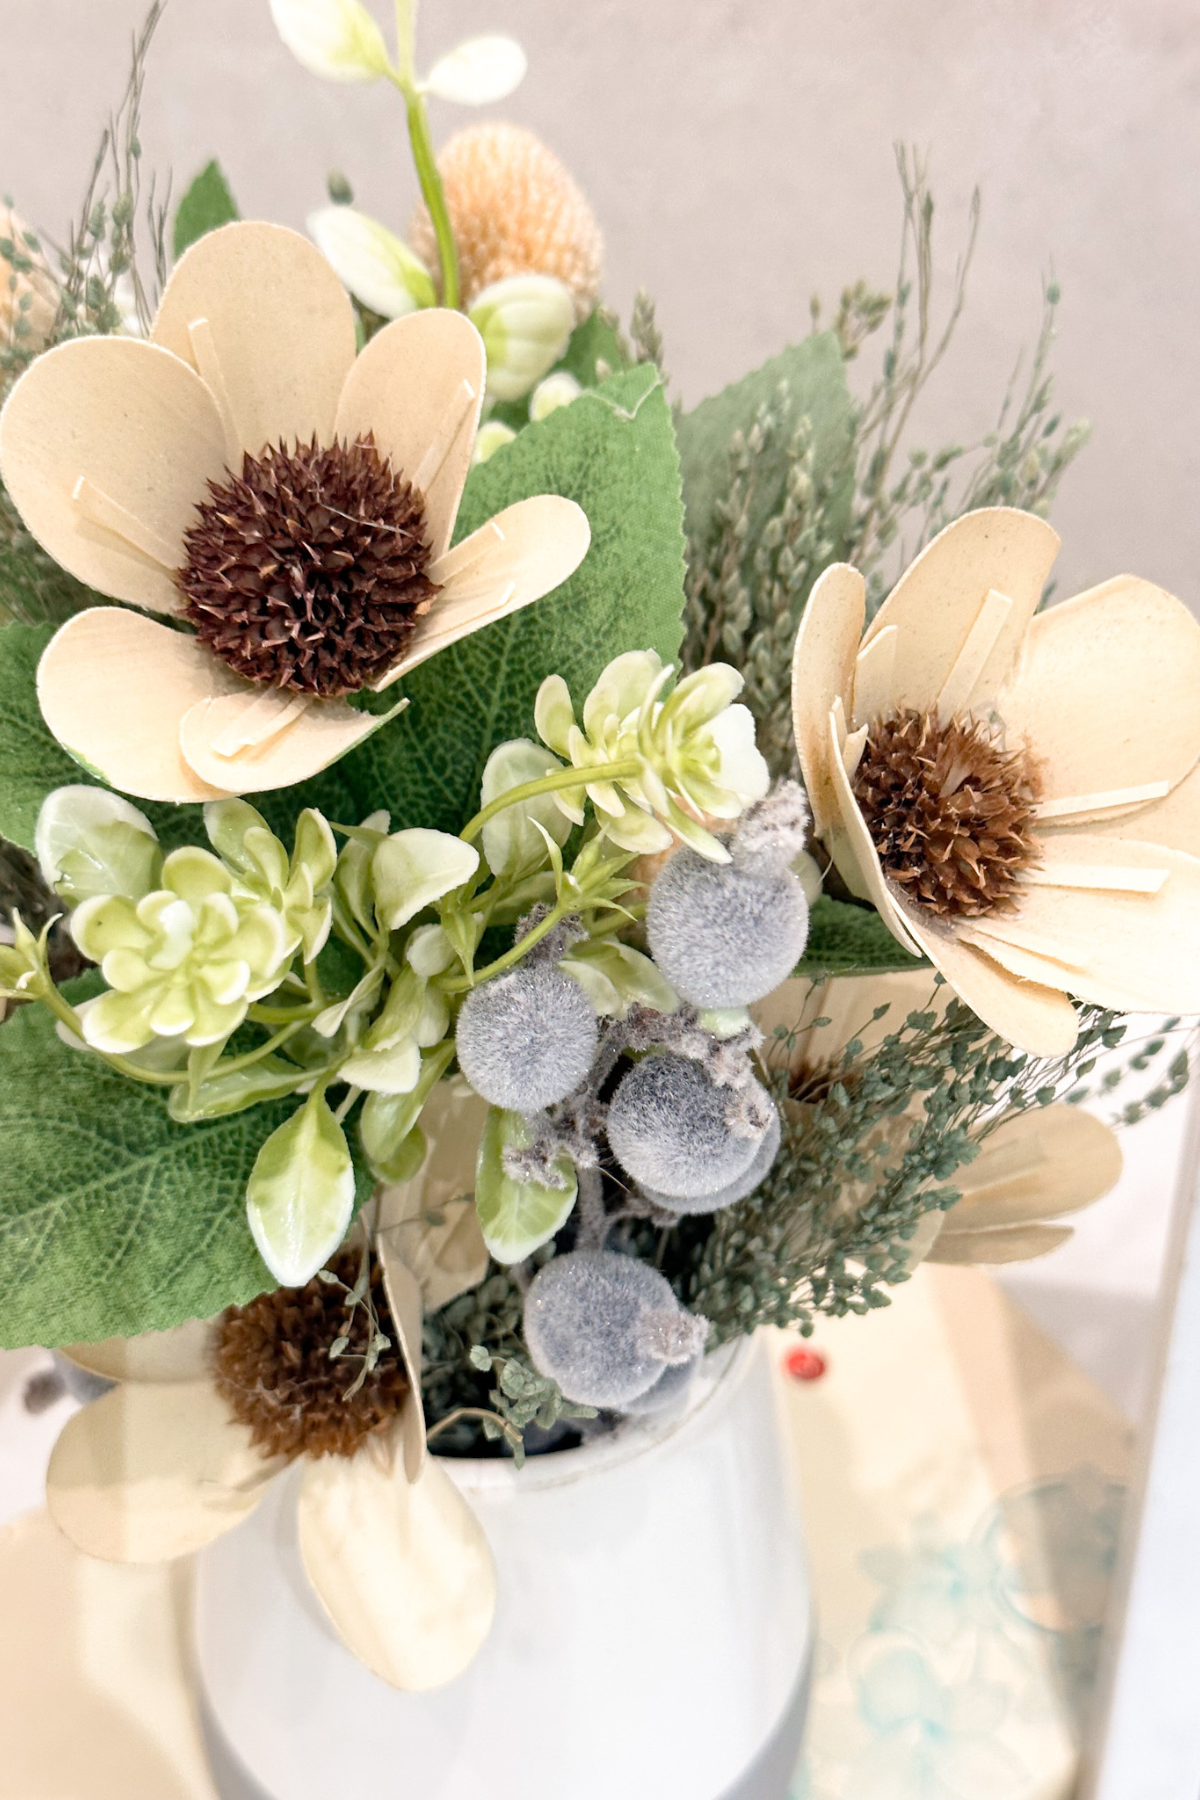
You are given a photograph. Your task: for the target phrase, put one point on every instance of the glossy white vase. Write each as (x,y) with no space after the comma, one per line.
(652,1637)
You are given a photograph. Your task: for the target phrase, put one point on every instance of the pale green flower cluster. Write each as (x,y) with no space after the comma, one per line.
(183,961)
(661,765)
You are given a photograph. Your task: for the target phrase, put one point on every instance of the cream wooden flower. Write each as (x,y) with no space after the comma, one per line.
(1014,791)
(246,474)
(159,1466)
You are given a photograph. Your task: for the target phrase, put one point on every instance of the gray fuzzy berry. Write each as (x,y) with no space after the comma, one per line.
(674,1130)
(774,831)
(745,1183)
(725,934)
(671,1385)
(605,1327)
(527,1039)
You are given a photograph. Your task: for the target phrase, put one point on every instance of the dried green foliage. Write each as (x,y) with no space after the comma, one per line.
(778,497)
(868,1147)
(99,276)
(101,256)
(766,467)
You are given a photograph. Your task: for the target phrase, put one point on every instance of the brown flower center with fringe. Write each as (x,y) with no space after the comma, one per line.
(308,570)
(950,812)
(273,1368)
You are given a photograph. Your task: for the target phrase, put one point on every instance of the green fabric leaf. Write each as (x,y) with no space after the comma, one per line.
(207,204)
(814,375)
(114,1220)
(844,939)
(31,762)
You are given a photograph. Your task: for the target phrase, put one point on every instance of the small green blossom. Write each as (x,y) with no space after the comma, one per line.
(691,755)
(185,961)
(296,887)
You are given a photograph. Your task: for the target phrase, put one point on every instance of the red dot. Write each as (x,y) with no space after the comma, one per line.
(803,1364)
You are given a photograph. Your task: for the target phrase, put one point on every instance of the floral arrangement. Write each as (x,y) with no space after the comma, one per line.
(499,901)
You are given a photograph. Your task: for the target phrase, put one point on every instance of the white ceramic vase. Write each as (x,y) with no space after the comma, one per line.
(652,1637)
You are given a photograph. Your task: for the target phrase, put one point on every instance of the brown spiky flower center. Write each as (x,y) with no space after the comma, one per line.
(273,1368)
(308,570)
(950,811)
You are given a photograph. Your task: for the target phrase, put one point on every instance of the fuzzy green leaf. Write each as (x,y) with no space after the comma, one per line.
(114,1220)
(207,205)
(850,940)
(814,372)
(31,762)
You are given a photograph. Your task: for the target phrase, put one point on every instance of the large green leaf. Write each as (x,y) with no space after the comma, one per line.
(113,1220)
(31,762)
(808,380)
(850,940)
(614,452)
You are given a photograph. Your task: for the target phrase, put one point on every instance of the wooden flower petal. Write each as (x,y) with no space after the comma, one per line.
(114,689)
(822,672)
(1105,691)
(855,854)
(524,552)
(177,1355)
(1032,1017)
(418,386)
(260,315)
(312,737)
(1114,946)
(142,433)
(938,600)
(1006,1244)
(1174,820)
(449,1257)
(1038,1165)
(402,1569)
(153,1471)
(407,1308)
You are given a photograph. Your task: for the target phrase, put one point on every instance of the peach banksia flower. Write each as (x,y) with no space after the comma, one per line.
(515,211)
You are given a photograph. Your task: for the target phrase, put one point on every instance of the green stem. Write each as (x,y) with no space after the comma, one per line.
(627,770)
(519,949)
(64,1011)
(431,187)
(474,1412)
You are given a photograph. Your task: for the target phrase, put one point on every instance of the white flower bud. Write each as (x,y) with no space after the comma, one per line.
(675,1131)
(605,1327)
(525,322)
(725,934)
(491,437)
(526,1039)
(556,390)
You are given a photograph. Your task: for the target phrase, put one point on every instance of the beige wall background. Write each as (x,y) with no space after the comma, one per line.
(740,155)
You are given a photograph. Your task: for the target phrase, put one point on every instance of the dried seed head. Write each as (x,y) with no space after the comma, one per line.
(515,211)
(950,812)
(308,570)
(273,1368)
